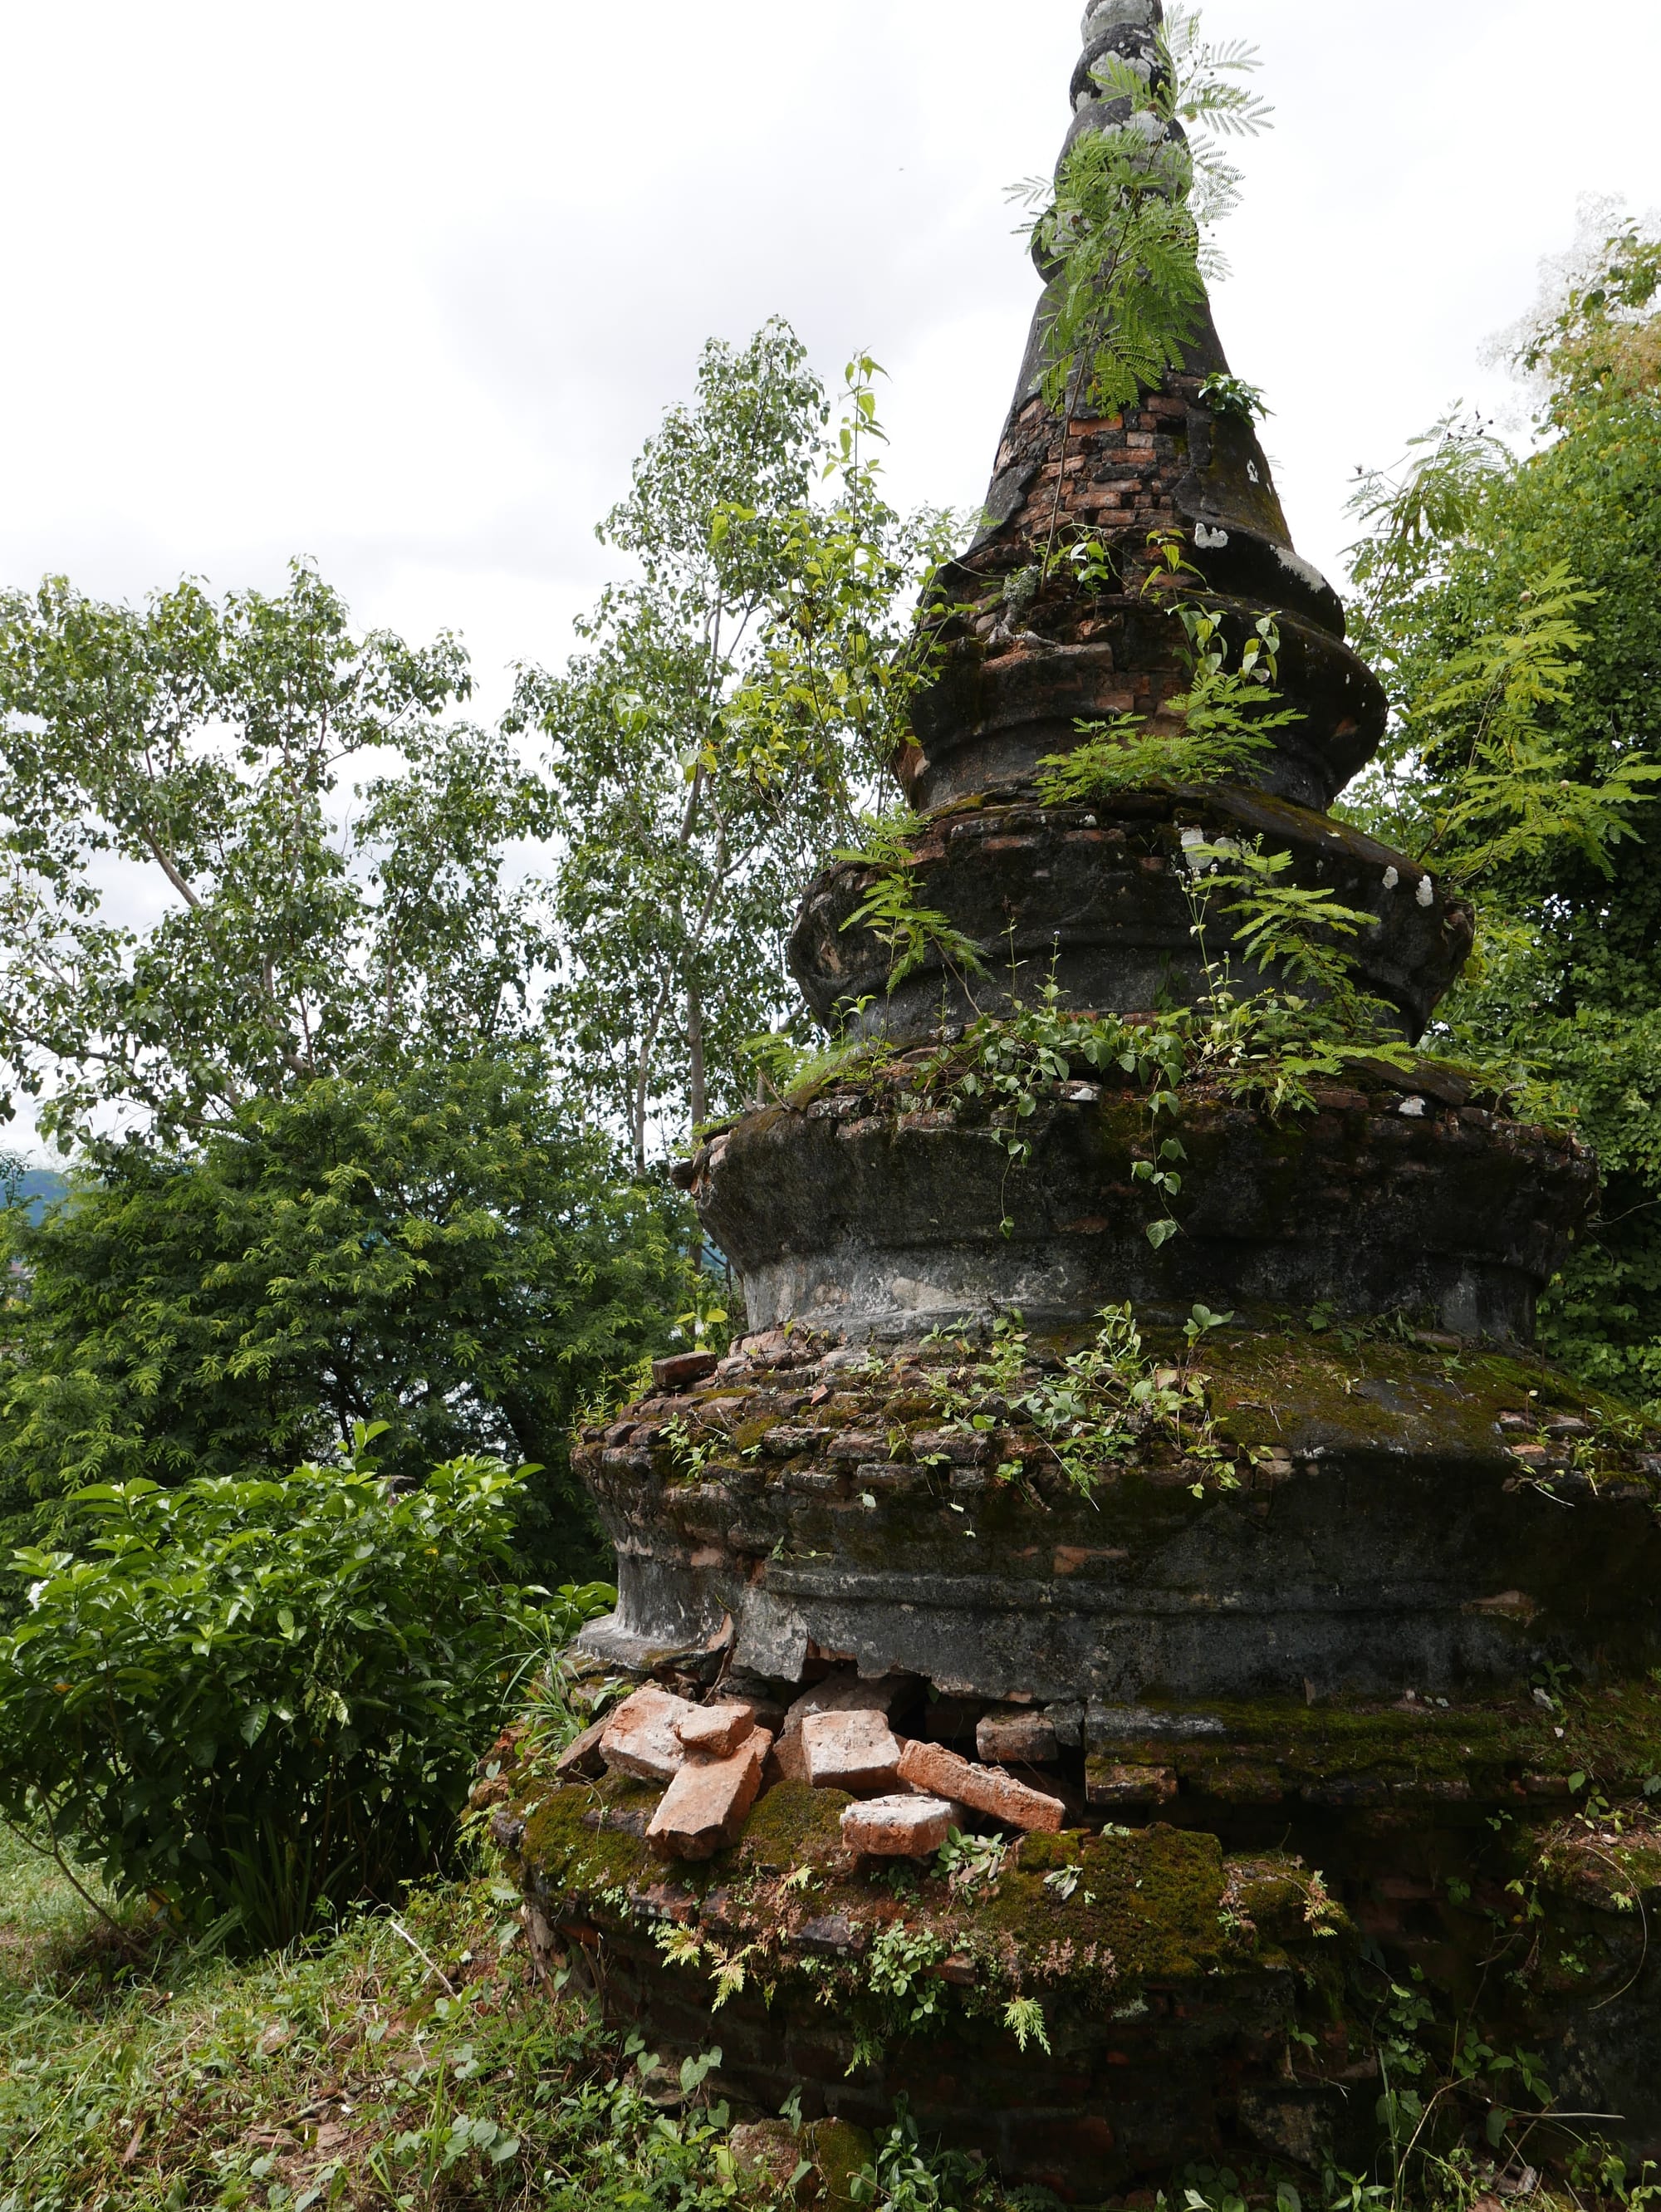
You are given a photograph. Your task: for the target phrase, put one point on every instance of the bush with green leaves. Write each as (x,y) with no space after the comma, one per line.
(260,1702)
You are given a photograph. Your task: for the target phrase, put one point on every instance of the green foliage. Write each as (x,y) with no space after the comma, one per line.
(1303,934)
(969,1864)
(199,742)
(1228,395)
(441,1252)
(1024,2018)
(411,2060)
(1266,1045)
(1091,1407)
(1221,728)
(898,1973)
(258,1703)
(1509,800)
(1124,223)
(1005,1064)
(905,2177)
(890,908)
(735,708)
(1599,341)
(1509,603)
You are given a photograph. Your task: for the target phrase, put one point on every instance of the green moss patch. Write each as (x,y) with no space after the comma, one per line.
(1486,1751)
(1146,1905)
(793,1826)
(578,1841)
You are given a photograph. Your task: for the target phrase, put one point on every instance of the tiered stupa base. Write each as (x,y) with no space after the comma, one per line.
(1207,1994)
(1355,1521)
(1301,1736)
(892,1201)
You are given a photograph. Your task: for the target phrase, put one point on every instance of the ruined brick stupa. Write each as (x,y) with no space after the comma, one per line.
(1351,1584)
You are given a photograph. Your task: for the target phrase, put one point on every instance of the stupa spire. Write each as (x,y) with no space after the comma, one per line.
(1189,461)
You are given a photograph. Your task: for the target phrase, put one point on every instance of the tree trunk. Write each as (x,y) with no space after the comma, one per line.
(700,1095)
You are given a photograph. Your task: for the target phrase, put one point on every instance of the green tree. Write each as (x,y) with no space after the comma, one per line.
(442,1250)
(738,701)
(200,744)
(1510,603)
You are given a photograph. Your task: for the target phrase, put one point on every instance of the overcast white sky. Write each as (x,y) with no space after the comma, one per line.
(403,287)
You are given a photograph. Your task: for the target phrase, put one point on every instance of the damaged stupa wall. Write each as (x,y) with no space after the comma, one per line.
(1310,1566)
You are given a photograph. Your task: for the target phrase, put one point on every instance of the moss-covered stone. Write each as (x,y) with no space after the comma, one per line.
(793,1826)
(1144,1907)
(584,1840)
(840,2153)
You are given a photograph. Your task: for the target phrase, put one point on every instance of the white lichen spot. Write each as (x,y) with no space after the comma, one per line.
(1427,892)
(1209,540)
(1392,877)
(1252,470)
(1413,1108)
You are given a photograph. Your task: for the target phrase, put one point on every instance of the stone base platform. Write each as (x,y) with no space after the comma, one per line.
(1188,1986)
(1286,1512)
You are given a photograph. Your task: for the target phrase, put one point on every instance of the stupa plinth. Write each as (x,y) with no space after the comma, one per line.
(1304,1579)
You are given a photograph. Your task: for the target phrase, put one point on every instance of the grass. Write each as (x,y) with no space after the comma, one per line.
(407,2064)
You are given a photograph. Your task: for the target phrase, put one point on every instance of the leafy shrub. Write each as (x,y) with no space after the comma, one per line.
(258,1701)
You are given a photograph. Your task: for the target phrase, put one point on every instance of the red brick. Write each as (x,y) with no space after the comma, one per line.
(837,1693)
(639,1737)
(1017,1739)
(716,1731)
(584,1755)
(857,1752)
(898,1827)
(1108,1784)
(929,1767)
(685,1369)
(706,1806)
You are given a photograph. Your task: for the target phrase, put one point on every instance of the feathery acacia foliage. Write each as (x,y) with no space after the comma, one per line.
(1509,605)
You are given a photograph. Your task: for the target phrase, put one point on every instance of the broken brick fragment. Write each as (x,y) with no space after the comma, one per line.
(716,1731)
(930,1766)
(584,1756)
(898,1827)
(857,1752)
(1017,1739)
(838,1694)
(639,1737)
(706,1806)
(1123,1788)
(685,1369)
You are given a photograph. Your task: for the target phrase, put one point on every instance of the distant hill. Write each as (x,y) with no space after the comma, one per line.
(36,1189)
